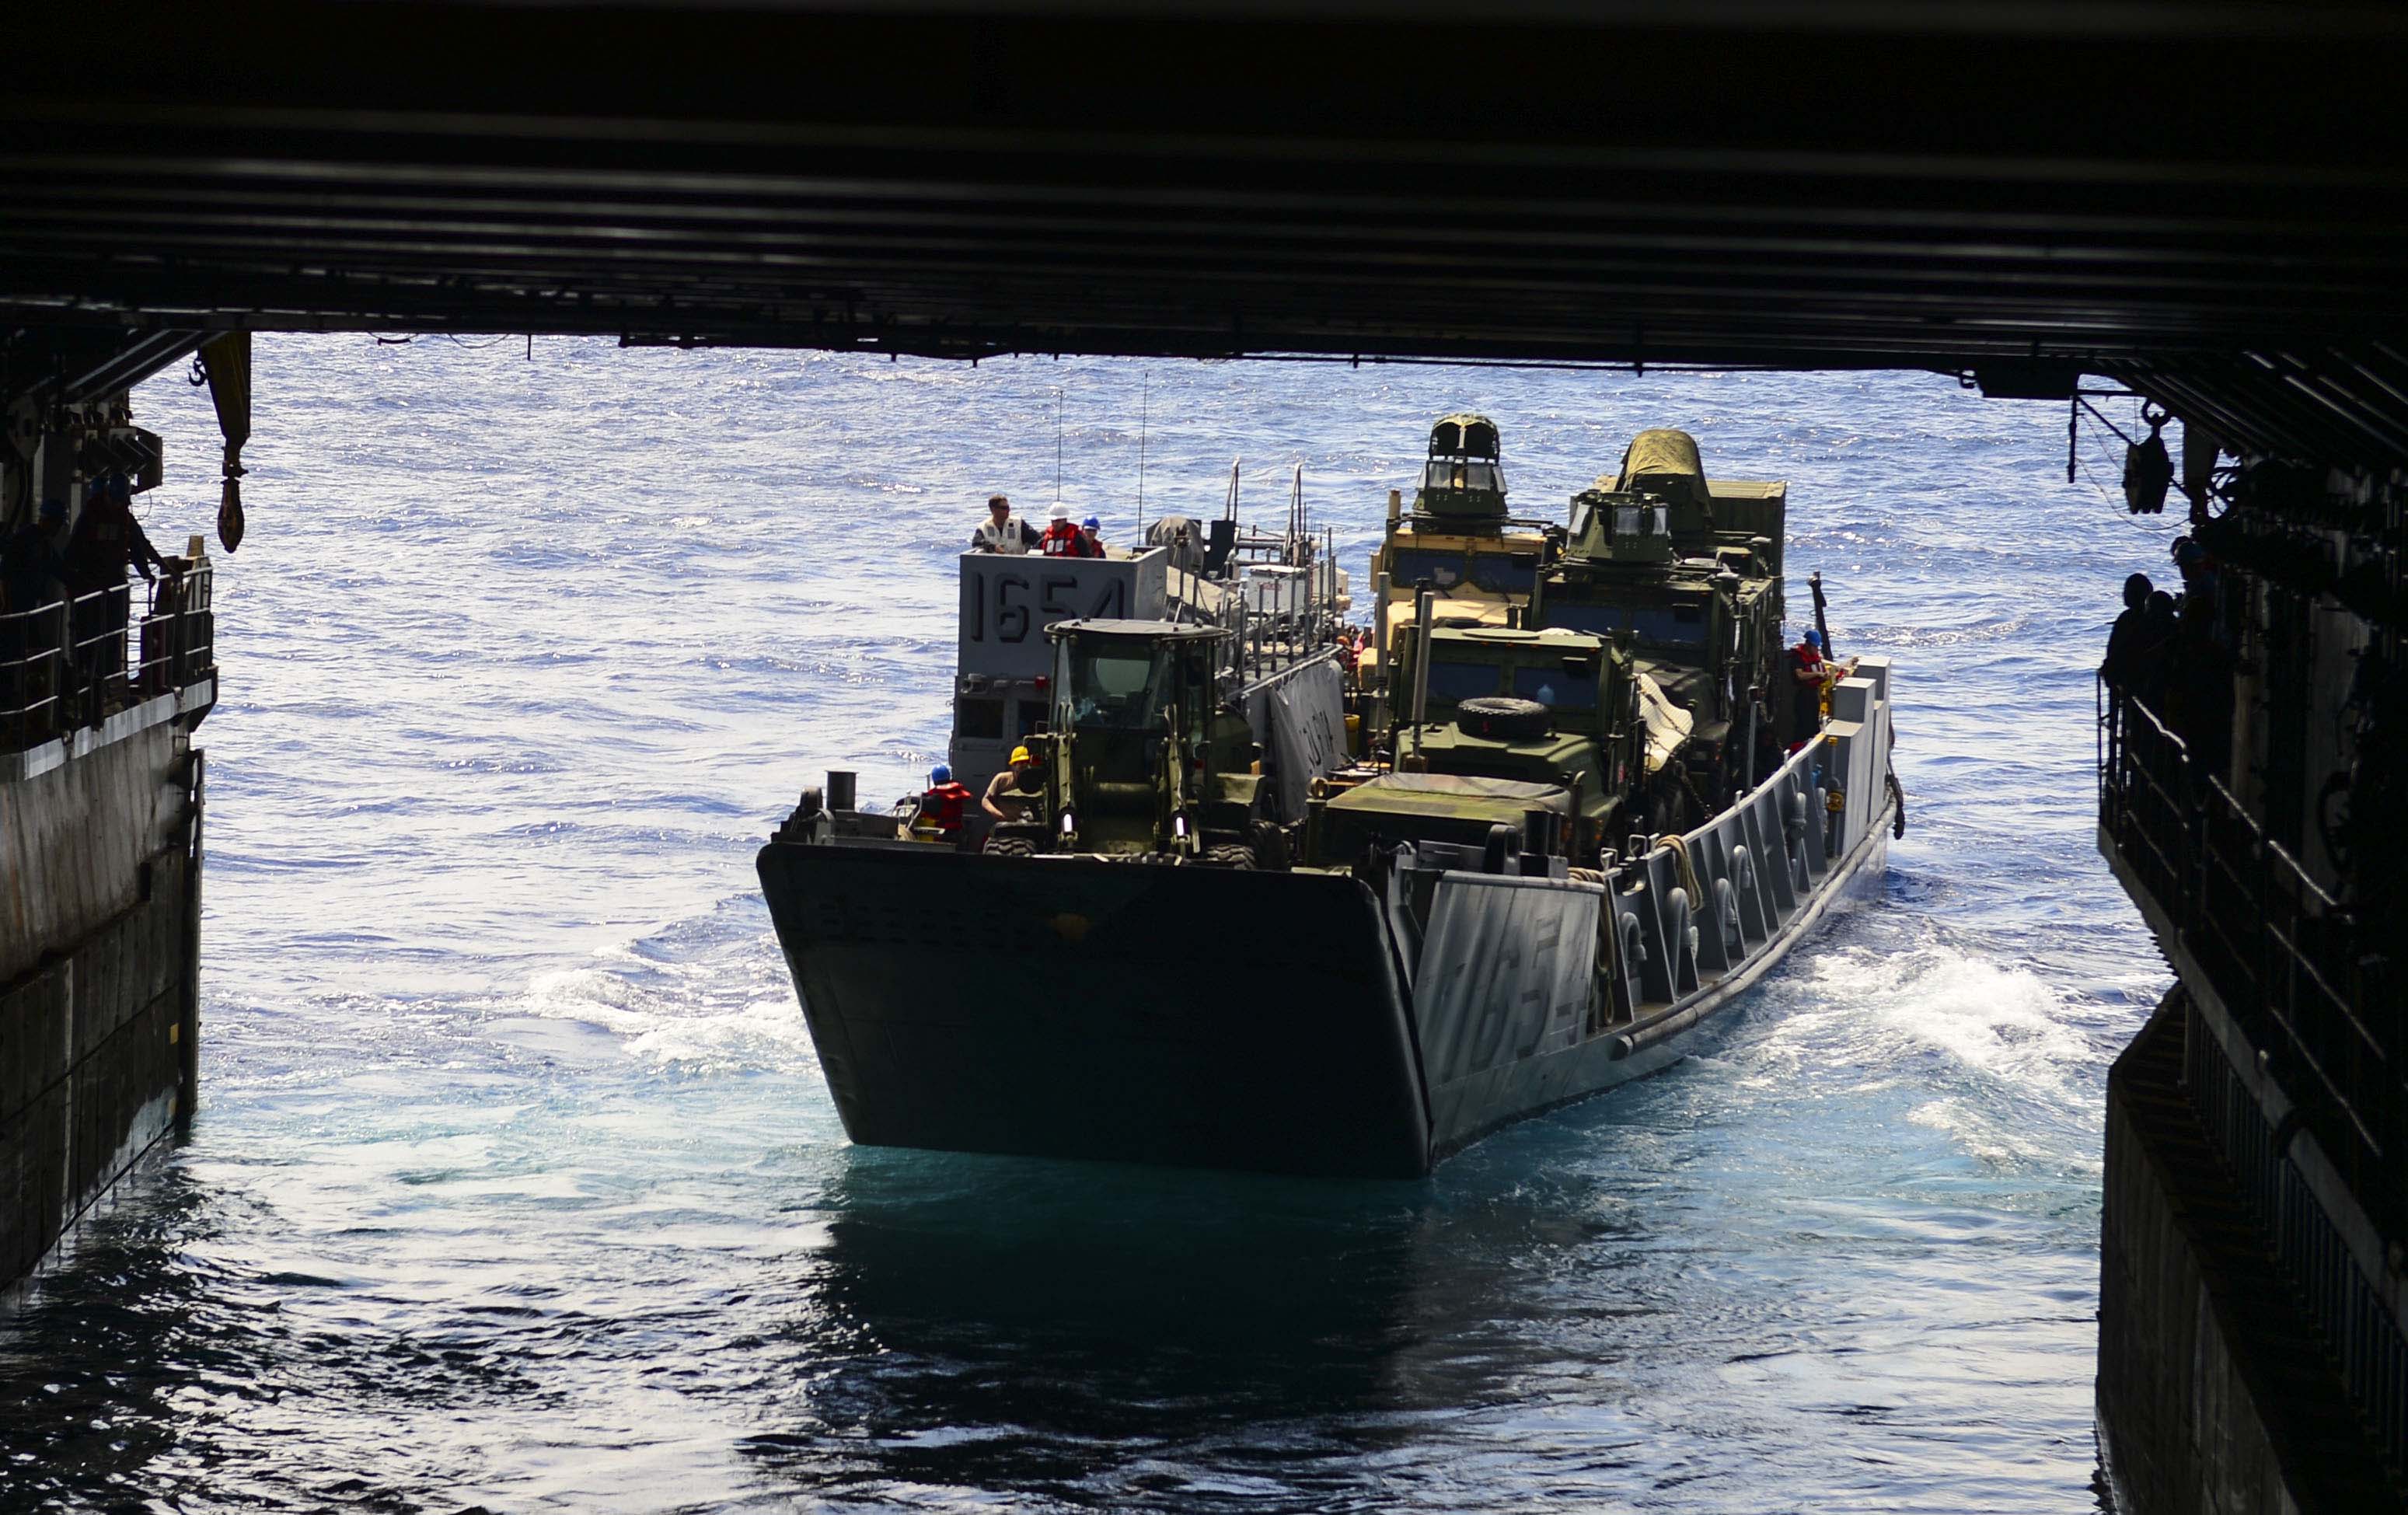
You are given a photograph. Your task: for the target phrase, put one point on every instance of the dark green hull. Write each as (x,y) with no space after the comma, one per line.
(1288,1023)
(1087,1009)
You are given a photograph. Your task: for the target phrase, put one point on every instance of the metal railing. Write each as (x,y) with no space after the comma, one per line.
(2292,965)
(75,661)
(2285,957)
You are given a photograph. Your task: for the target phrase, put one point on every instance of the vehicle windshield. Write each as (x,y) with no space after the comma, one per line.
(1595,619)
(1120,685)
(1505,573)
(1446,473)
(1665,625)
(1452,681)
(1674,625)
(1441,570)
(1557,689)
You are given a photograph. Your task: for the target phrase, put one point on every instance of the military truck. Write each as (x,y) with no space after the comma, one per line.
(1689,570)
(1147,755)
(1559,709)
(1480,563)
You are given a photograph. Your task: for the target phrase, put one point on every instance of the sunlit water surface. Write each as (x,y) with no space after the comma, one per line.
(516,1185)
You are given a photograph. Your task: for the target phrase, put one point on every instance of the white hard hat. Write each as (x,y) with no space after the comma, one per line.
(1061,512)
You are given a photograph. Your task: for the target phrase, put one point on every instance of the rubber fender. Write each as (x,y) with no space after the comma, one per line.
(1502,717)
(1682,935)
(1726,908)
(1504,842)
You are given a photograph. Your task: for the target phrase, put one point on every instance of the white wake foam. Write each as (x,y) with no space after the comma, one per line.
(1988,1053)
(731,1012)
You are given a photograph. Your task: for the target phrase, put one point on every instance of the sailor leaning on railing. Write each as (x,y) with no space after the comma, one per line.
(1811,676)
(2176,655)
(64,611)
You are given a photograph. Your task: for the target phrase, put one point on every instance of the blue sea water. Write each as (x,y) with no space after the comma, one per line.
(515,1186)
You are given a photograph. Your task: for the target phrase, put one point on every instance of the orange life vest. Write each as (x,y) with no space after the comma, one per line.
(941,806)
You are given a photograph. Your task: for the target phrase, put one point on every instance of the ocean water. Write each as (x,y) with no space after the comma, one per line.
(515,1185)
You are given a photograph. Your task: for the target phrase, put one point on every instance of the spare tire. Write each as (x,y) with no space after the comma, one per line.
(1502,717)
(1268,844)
(1007,845)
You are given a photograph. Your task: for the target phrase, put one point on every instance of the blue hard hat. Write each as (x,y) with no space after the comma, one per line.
(941,774)
(1092,524)
(1813,637)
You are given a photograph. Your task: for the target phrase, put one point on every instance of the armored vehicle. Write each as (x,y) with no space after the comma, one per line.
(1688,570)
(1458,541)
(1224,936)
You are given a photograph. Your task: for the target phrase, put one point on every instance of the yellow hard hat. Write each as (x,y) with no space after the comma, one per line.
(1022,754)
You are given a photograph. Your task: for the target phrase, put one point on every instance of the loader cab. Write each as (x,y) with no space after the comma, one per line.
(1140,736)
(1146,682)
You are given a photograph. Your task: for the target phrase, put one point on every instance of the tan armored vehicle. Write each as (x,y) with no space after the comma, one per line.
(1480,563)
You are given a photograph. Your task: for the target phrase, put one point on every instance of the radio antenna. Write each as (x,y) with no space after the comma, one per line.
(1144,414)
(1058,446)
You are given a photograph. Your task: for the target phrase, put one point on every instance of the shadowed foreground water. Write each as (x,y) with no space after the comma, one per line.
(516,1186)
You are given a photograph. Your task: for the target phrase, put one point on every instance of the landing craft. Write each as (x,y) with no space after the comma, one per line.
(1263,908)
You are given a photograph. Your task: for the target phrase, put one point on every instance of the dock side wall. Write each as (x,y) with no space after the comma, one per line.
(98,1004)
(2216,1394)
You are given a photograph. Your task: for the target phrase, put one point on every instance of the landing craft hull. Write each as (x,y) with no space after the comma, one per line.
(1189,1016)
(1199,1017)
(1523,1058)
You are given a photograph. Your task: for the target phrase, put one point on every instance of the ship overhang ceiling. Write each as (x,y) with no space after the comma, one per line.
(2211,195)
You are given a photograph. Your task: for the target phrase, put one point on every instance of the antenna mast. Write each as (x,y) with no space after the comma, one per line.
(1144,414)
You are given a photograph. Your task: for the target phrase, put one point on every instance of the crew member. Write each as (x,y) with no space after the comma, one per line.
(2160,626)
(2124,641)
(942,806)
(106,541)
(1091,538)
(1061,538)
(1806,672)
(1349,652)
(1012,794)
(1002,531)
